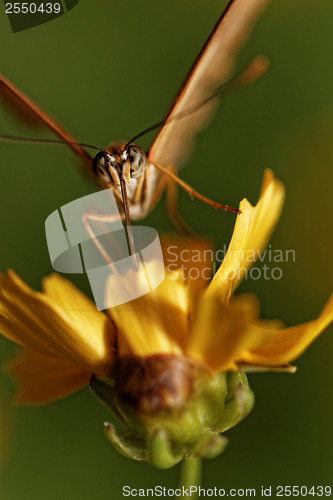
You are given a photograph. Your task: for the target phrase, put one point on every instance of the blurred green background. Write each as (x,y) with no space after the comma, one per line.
(107,70)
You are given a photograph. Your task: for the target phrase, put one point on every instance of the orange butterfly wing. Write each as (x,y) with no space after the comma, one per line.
(27,110)
(213,67)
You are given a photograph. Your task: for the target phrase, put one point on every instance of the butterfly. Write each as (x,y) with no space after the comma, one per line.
(138,179)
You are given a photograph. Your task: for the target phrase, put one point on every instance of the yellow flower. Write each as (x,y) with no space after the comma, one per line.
(67,340)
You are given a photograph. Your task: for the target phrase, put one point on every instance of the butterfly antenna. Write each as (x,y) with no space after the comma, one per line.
(255,69)
(32,140)
(251,73)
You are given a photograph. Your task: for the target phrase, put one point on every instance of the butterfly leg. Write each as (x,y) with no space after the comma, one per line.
(88,219)
(172,206)
(192,192)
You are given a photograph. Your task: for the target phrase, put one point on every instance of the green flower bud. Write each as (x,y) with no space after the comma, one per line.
(173,407)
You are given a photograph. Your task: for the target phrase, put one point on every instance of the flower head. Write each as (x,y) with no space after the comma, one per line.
(180,349)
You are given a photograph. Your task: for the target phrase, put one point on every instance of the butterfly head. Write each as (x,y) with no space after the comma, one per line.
(126,161)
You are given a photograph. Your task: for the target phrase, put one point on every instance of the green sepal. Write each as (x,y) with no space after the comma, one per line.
(103,389)
(210,447)
(160,452)
(127,443)
(239,402)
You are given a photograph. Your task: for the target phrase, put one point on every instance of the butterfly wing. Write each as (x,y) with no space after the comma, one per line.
(213,67)
(21,105)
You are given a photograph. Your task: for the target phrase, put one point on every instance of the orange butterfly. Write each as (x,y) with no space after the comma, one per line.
(137,179)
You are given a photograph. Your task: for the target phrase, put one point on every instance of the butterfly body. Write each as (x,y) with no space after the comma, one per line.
(128,162)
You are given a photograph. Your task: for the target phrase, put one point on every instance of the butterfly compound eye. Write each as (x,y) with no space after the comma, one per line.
(137,159)
(100,167)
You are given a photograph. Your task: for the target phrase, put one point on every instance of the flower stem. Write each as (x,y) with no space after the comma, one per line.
(190,474)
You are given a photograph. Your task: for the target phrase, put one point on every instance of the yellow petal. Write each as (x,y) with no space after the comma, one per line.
(285,345)
(40,322)
(43,379)
(252,231)
(220,332)
(155,323)
(97,329)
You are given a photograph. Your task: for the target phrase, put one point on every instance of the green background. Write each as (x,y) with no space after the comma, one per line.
(107,70)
